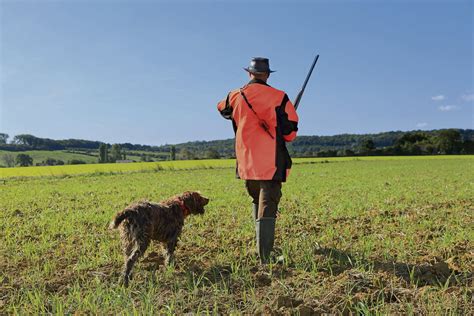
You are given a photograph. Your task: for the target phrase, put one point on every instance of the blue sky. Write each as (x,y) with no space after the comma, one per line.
(152,72)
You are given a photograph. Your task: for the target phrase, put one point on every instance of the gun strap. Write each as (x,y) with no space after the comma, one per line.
(262,123)
(248,104)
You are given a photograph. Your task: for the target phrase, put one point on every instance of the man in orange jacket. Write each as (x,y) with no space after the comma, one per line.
(263,119)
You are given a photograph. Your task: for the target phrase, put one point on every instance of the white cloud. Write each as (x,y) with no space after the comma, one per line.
(438,97)
(468,97)
(421,124)
(446,108)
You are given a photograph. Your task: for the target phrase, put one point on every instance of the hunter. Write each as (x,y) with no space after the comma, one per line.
(264,119)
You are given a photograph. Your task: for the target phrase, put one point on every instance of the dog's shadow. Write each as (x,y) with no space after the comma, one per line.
(212,275)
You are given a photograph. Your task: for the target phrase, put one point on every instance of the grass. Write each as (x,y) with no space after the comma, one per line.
(374,235)
(68,170)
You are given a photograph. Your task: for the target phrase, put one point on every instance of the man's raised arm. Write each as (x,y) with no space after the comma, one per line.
(224,108)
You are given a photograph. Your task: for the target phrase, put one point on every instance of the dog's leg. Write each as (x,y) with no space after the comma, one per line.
(170,247)
(130,261)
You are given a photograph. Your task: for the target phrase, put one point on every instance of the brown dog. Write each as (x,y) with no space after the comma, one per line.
(141,222)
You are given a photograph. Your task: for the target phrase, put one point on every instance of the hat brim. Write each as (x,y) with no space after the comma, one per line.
(258,72)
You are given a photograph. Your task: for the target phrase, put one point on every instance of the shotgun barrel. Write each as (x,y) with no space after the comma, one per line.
(300,94)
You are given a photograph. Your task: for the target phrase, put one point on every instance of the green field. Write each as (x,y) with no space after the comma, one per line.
(68,170)
(41,155)
(362,235)
(64,155)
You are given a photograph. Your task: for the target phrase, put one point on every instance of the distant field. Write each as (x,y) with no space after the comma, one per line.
(41,155)
(359,235)
(111,168)
(179,164)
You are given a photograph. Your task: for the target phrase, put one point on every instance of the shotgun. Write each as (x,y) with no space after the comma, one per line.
(300,94)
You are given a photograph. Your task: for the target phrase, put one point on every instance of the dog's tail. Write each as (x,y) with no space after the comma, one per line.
(119,218)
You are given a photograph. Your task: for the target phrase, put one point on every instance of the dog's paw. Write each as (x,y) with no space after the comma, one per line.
(124,280)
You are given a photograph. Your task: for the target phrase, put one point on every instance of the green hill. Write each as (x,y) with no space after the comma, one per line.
(445,141)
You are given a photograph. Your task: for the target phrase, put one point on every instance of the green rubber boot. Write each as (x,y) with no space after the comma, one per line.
(265,228)
(255,211)
(255,216)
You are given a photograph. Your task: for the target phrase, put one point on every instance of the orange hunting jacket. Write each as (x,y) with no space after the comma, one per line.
(261,154)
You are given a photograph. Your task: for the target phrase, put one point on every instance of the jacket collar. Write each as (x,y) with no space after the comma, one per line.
(258,81)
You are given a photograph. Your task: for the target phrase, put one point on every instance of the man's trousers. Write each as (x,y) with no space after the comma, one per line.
(266,194)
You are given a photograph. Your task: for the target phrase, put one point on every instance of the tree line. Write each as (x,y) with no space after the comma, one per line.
(444,141)
(438,142)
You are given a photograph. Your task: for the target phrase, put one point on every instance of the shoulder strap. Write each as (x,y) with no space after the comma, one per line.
(261,122)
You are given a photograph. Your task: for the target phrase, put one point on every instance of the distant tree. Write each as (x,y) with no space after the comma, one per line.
(429,149)
(327,153)
(103,154)
(50,162)
(367,146)
(345,153)
(76,162)
(412,138)
(412,149)
(8,160)
(186,154)
(212,154)
(306,153)
(173,153)
(348,153)
(412,143)
(3,138)
(145,158)
(468,147)
(115,153)
(24,160)
(26,139)
(449,141)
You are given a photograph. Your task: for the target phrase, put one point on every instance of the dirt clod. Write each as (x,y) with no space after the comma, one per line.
(304,310)
(431,274)
(442,268)
(262,279)
(286,301)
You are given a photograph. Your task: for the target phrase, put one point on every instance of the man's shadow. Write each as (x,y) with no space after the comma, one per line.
(438,273)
